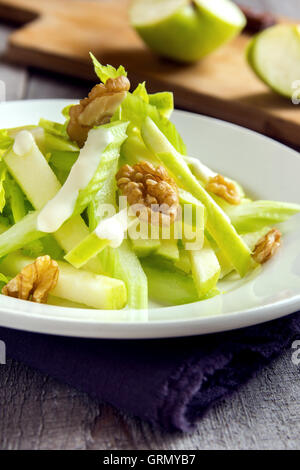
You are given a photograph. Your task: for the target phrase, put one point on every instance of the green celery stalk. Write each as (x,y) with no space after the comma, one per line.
(218,224)
(126,266)
(89,247)
(168,285)
(80,286)
(16,198)
(184,263)
(169,250)
(39,191)
(253,216)
(20,234)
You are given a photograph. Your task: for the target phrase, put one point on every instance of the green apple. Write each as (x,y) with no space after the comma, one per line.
(274,55)
(186,30)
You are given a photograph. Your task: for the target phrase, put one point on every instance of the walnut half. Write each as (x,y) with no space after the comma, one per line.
(267,246)
(97,108)
(150,187)
(226,189)
(35,281)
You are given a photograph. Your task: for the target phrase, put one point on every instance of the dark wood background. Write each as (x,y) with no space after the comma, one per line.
(37,412)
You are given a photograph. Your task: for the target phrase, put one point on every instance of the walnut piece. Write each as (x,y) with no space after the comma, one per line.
(267,246)
(97,108)
(35,281)
(226,189)
(152,188)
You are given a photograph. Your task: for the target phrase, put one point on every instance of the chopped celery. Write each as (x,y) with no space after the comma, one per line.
(111,154)
(252,216)
(3,174)
(217,222)
(134,150)
(44,246)
(105,195)
(104,72)
(123,264)
(168,285)
(4,225)
(5,141)
(34,175)
(119,262)
(143,248)
(20,234)
(225,263)
(205,269)
(252,238)
(194,217)
(15,198)
(75,285)
(198,209)
(134,109)
(39,191)
(163,101)
(169,250)
(184,262)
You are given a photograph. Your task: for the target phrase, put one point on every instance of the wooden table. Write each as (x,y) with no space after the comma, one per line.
(37,412)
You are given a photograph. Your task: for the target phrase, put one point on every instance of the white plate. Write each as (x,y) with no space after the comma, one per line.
(267,170)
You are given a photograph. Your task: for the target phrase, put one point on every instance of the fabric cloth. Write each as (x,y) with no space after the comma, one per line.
(169,382)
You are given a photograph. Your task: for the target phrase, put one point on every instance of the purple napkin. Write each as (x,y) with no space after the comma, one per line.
(169,382)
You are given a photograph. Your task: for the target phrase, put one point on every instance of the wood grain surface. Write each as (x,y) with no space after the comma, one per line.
(37,412)
(60,36)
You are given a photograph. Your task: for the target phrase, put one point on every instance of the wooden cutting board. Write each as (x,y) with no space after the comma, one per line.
(58,34)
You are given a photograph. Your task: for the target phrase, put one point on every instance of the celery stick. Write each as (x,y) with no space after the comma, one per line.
(198,210)
(217,222)
(20,234)
(34,175)
(87,249)
(143,248)
(75,285)
(253,216)
(205,269)
(125,265)
(39,190)
(184,263)
(168,285)
(252,238)
(3,227)
(169,250)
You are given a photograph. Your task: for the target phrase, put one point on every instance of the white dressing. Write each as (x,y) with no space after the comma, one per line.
(200,170)
(113,228)
(61,207)
(24,142)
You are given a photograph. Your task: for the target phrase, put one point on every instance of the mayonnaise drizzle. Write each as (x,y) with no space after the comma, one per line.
(61,207)
(24,142)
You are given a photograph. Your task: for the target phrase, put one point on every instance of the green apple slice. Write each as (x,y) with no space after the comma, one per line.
(186,30)
(274,55)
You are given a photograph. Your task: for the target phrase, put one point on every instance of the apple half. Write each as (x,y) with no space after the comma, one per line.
(186,30)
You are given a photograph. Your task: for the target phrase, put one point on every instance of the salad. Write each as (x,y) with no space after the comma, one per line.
(107,210)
